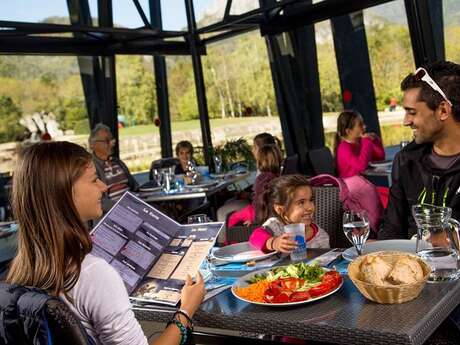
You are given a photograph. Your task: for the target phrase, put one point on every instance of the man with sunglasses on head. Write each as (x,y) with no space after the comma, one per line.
(110,170)
(428,169)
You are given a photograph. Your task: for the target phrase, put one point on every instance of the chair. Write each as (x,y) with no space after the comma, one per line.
(61,326)
(321,161)
(329,213)
(236,234)
(291,165)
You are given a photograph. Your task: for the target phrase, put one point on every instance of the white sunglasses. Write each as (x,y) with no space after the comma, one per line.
(422,74)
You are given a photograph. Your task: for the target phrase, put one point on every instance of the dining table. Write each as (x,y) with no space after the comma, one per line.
(345,317)
(203,189)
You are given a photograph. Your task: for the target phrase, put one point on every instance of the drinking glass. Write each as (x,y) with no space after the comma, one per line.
(197,218)
(438,241)
(158,177)
(403,143)
(356,228)
(191,171)
(218,164)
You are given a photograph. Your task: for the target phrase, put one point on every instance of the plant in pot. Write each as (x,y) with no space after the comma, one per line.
(233,152)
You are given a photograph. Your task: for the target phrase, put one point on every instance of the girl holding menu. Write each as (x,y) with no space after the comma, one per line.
(55,192)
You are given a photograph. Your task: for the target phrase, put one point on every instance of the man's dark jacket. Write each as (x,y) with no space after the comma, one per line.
(415,181)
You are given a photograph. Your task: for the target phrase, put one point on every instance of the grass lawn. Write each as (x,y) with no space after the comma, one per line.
(193,124)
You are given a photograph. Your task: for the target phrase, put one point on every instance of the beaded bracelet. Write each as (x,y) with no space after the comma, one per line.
(186,315)
(182,329)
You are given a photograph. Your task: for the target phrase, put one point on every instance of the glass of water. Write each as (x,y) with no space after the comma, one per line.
(356,228)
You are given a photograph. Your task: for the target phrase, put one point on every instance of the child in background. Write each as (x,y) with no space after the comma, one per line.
(355,148)
(184,151)
(269,166)
(287,200)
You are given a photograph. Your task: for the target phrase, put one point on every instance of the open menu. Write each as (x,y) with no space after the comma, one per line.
(152,253)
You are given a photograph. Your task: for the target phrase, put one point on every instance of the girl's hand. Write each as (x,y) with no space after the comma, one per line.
(247,223)
(370,135)
(192,294)
(284,243)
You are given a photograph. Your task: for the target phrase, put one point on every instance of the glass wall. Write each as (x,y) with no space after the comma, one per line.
(125,13)
(391,58)
(137,109)
(38,95)
(183,103)
(173,14)
(331,98)
(451,16)
(239,89)
(55,11)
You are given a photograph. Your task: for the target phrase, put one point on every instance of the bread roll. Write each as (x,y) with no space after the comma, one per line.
(374,270)
(405,271)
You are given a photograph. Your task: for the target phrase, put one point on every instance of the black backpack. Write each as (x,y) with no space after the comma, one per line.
(30,316)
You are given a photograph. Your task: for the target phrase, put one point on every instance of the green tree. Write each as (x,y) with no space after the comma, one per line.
(9,120)
(136,88)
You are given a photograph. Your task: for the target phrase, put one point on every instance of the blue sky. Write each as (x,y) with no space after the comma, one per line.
(125,13)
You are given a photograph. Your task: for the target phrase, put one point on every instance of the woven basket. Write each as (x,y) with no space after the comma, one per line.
(388,294)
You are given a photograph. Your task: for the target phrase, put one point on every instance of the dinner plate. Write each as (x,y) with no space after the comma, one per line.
(150,186)
(407,246)
(242,282)
(240,252)
(202,185)
(381,164)
(217,176)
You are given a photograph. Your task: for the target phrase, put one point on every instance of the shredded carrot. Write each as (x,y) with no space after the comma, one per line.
(253,292)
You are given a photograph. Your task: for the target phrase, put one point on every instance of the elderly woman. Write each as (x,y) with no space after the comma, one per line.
(111,170)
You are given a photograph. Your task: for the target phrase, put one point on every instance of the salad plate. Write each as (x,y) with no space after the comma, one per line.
(301,282)
(241,252)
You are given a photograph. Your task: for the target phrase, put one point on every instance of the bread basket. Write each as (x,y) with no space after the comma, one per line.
(388,294)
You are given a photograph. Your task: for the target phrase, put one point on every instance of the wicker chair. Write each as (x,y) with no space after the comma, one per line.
(329,213)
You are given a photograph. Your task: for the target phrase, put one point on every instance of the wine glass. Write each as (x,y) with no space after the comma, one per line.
(218,164)
(158,177)
(191,171)
(356,228)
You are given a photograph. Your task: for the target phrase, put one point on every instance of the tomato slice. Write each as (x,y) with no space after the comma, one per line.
(299,296)
(281,298)
(333,278)
(320,289)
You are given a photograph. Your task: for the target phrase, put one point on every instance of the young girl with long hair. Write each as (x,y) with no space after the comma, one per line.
(55,192)
(354,148)
(269,166)
(287,200)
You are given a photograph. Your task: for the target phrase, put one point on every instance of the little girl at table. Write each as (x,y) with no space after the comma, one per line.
(287,200)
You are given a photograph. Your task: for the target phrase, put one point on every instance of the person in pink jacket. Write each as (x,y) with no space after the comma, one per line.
(354,147)
(287,200)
